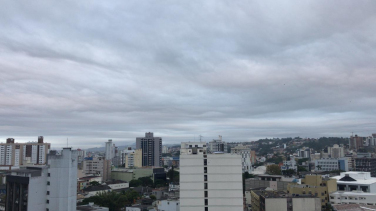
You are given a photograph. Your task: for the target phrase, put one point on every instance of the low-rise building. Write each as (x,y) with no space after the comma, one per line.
(91,207)
(93,190)
(332,164)
(356,181)
(353,197)
(168,205)
(282,201)
(274,182)
(315,185)
(366,164)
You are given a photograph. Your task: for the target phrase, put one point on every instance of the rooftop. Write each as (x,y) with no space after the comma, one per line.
(353,207)
(88,207)
(97,188)
(355,177)
(280,194)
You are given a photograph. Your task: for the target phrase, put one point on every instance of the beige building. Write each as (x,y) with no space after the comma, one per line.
(18,154)
(133,159)
(282,201)
(315,185)
(336,151)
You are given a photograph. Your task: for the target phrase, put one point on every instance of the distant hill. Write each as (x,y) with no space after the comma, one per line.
(102,149)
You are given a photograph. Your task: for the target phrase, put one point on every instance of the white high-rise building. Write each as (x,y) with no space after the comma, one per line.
(209,182)
(110,150)
(50,187)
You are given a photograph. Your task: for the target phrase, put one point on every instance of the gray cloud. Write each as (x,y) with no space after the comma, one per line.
(246,70)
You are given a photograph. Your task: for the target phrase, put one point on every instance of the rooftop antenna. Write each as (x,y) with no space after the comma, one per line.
(200,137)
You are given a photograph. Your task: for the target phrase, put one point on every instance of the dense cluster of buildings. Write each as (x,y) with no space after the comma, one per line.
(211,176)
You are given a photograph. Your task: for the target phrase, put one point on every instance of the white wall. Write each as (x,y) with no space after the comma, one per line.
(37,192)
(224,180)
(63,181)
(167,205)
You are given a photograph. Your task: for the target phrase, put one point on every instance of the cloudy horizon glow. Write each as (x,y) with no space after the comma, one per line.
(96,70)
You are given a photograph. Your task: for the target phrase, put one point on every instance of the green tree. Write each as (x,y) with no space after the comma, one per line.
(288,172)
(94,183)
(174,175)
(160,183)
(135,183)
(153,197)
(113,200)
(301,168)
(273,170)
(146,181)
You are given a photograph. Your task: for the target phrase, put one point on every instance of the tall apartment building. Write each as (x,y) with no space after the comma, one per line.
(304,153)
(110,150)
(151,149)
(217,145)
(93,166)
(17,154)
(52,187)
(336,151)
(209,182)
(356,142)
(366,164)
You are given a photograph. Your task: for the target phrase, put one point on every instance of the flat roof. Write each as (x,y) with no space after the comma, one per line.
(352,193)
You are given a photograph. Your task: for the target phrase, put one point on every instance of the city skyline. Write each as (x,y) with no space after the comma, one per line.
(250,70)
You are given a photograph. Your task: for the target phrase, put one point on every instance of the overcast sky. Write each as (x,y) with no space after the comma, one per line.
(95,70)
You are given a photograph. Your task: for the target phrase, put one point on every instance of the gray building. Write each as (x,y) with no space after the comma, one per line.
(275,182)
(217,145)
(151,149)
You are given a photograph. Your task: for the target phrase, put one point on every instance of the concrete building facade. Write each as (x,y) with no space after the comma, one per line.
(315,185)
(51,187)
(151,149)
(332,164)
(282,201)
(18,154)
(209,182)
(248,157)
(217,145)
(133,159)
(336,151)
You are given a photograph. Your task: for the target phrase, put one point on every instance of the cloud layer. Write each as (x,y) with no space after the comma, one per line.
(92,70)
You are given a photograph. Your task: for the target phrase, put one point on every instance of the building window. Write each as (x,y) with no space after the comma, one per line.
(48,183)
(205,186)
(206,209)
(205,170)
(48,192)
(48,201)
(206,202)
(48,174)
(206,194)
(205,178)
(205,162)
